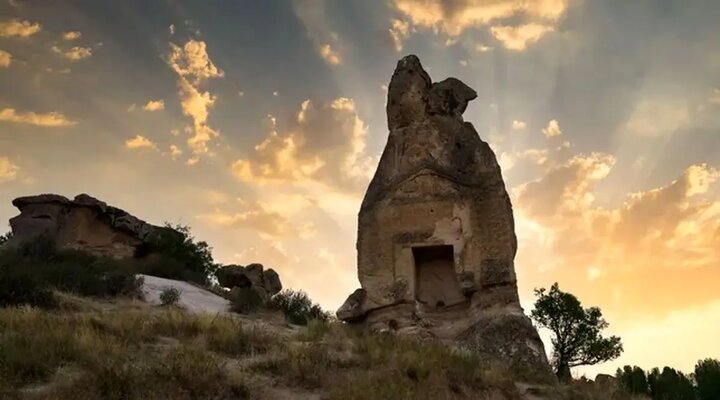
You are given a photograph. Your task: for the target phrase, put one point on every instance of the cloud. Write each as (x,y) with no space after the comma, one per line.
(330,55)
(8,170)
(18,28)
(73,35)
(140,142)
(154,105)
(668,235)
(324,143)
(537,156)
(518,125)
(552,130)
(252,216)
(52,119)
(518,37)
(75,53)
(5,59)
(523,21)
(175,152)
(399,31)
(193,66)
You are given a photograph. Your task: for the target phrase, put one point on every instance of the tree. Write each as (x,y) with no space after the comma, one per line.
(670,385)
(633,379)
(707,377)
(576,331)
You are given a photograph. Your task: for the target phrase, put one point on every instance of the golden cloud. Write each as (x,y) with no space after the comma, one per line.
(252,216)
(657,242)
(330,55)
(399,31)
(73,35)
(193,67)
(154,105)
(324,144)
(15,27)
(175,152)
(75,53)
(532,19)
(140,142)
(5,59)
(518,125)
(552,130)
(518,37)
(52,119)
(8,170)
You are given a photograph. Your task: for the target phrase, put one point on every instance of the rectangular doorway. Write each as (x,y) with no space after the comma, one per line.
(436,285)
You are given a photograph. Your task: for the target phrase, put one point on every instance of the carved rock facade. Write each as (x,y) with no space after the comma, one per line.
(436,239)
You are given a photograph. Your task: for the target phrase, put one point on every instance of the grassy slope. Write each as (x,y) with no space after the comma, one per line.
(128,350)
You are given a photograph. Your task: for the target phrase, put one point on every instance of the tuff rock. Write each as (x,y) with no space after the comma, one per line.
(253,276)
(86,224)
(436,241)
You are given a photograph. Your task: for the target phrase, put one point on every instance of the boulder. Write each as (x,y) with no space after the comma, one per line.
(86,224)
(251,276)
(436,237)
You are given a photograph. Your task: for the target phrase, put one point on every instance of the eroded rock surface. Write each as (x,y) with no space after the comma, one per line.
(84,223)
(436,240)
(253,276)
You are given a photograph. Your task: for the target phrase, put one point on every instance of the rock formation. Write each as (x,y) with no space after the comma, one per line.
(252,277)
(85,224)
(436,239)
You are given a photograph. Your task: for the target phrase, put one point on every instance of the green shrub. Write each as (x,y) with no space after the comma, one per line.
(170,296)
(177,255)
(297,307)
(29,272)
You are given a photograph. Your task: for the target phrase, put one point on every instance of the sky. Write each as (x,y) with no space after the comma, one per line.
(259,124)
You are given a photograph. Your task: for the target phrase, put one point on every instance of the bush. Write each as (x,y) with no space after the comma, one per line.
(297,307)
(31,271)
(179,256)
(170,296)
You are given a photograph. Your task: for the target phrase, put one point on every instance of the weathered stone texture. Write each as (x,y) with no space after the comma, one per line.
(436,239)
(253,276)
(85,224)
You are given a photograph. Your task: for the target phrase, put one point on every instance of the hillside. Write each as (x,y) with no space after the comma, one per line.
(129,349)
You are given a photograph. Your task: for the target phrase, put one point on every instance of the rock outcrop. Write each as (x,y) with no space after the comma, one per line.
(436,240)
(254,277)
(84,223)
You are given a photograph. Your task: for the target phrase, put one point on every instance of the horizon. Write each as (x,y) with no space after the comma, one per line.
(259,126)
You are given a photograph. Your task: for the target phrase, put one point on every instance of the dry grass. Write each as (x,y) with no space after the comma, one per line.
(121,354)
(126,350)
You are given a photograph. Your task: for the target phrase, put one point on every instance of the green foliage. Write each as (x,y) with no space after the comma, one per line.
(297,307)
(169,296)
(632,379)
(177,255)
(670,385)
(707,376)
(245,300)
(30,272)
(576,331)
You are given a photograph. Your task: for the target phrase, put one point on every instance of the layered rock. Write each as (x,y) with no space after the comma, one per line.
(86,224)
(436,241)
(255,277)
